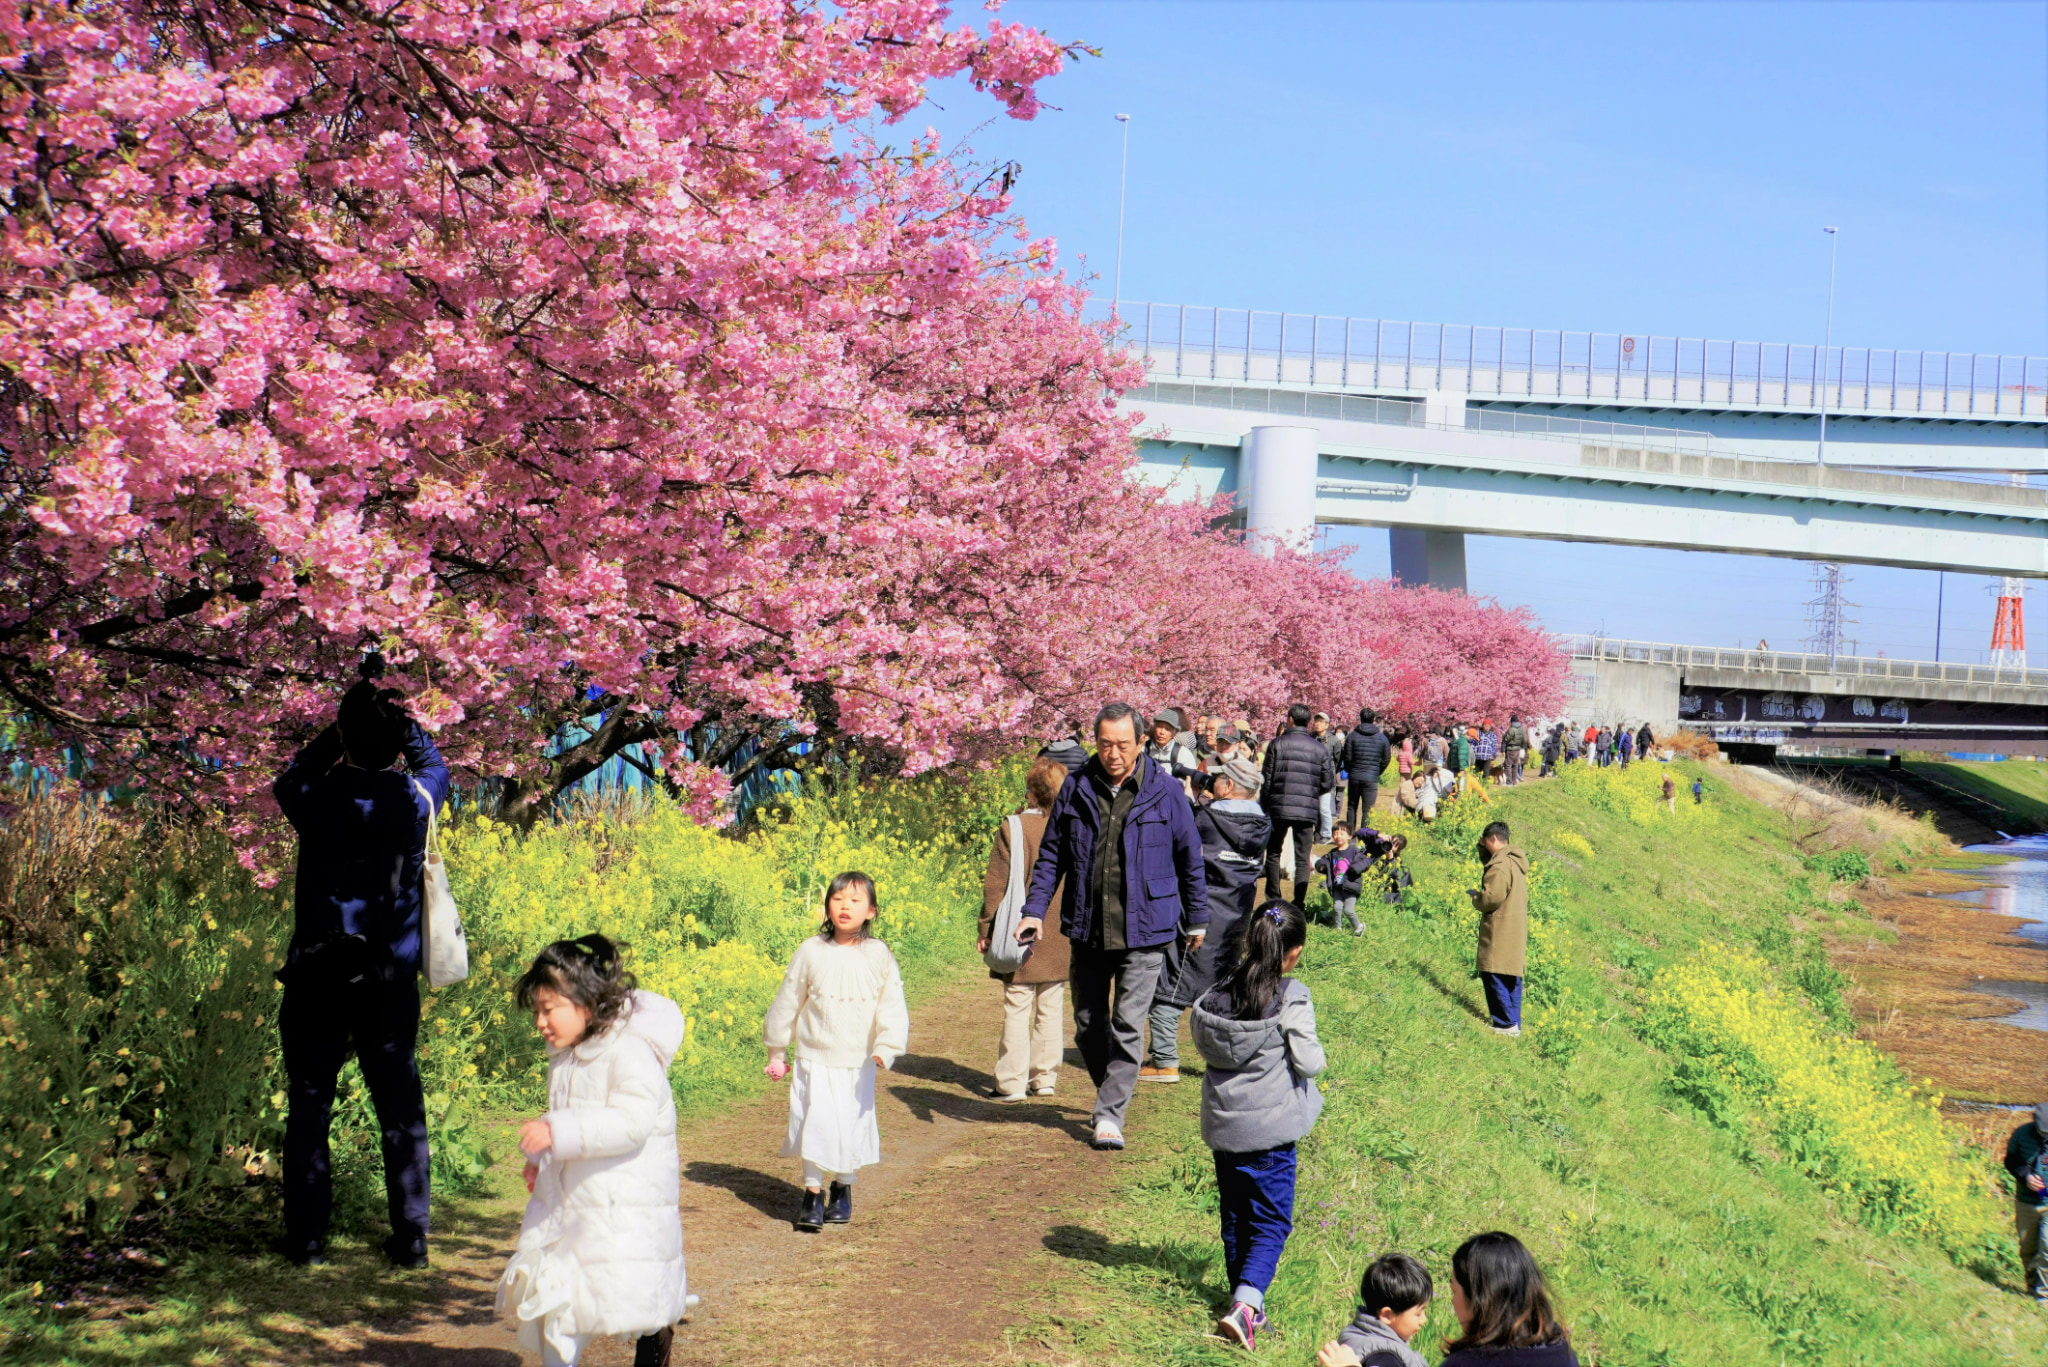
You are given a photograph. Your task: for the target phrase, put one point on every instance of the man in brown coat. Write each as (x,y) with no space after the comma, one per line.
(1034,997)
(1503,901)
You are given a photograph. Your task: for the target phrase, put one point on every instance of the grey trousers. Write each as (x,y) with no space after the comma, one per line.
(1112,995)
(1162,1048)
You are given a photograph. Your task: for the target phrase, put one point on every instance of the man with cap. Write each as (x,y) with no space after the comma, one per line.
(1167,750)
(1234,829)
(2026,1158)
(1326,805)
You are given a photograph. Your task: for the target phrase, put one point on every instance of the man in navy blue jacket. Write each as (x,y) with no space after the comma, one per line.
(1122,839)
(355,952)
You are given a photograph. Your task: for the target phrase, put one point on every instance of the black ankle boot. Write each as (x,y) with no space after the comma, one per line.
(406,1250)
(839,1209)
(653,1349)
(811,1213)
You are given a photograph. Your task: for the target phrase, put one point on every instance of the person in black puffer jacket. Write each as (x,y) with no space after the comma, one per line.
(1233,833)
(1366,751)
(1297,772)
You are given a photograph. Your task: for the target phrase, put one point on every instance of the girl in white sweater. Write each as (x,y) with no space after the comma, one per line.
(601,1248)
(841,1005)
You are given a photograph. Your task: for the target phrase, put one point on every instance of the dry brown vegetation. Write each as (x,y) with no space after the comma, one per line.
(52,843)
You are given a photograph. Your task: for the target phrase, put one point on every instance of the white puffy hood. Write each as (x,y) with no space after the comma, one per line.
(657,1020)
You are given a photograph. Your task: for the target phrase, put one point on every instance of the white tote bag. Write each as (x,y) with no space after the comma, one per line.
(444,951)
(1004,954)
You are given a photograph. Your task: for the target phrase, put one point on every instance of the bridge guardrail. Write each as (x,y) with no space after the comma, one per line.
(1764,660)
(1410,413)
(1249,346)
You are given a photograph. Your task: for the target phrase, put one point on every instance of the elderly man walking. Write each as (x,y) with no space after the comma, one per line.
(1122,839)
(1297,774)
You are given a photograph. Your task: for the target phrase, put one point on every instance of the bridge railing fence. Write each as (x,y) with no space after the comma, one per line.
(1768,661)
(1252,346)
(1304,403)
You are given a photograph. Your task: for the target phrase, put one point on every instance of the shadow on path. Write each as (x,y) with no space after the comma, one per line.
(774,1197)
(927,1102)
(1186,1266)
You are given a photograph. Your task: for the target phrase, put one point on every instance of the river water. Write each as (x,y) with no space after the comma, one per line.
(2019,889)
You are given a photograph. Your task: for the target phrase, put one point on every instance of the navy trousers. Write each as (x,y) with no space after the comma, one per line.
(319,1028)
(1503,999)
(1256,1192)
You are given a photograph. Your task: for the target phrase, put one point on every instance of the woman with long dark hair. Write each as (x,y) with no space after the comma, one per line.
(1503,1307)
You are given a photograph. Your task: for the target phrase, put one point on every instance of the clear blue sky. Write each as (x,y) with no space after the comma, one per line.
(1623,167)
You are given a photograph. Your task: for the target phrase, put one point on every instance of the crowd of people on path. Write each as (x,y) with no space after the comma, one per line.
(1131,877)
(1146,865)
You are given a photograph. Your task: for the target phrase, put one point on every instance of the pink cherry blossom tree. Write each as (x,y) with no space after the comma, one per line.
(562,349)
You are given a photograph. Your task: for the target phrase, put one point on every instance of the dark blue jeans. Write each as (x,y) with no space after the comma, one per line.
(1503,999)
(319,1029)
(1256,1192)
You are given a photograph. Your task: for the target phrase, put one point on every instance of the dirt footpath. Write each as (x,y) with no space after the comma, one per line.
(947,1249)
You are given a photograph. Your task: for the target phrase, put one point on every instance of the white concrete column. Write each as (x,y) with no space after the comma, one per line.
(1276,482)
(1421,556)
(1442,408)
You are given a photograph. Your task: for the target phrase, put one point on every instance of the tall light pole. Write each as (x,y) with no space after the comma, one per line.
(1122,181)
(1834,240)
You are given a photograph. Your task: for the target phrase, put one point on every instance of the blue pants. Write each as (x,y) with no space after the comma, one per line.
(320,1029)
(1503,999)
(1256,1191)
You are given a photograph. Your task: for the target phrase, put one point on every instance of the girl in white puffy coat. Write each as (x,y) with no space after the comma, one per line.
(601,1248)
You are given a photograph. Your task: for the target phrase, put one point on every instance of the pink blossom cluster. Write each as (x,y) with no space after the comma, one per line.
(551,344)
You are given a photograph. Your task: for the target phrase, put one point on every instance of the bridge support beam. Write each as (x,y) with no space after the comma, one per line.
(1276,480)
(1420,556)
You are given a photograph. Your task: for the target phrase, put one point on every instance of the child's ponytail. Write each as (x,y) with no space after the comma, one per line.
(1269,933)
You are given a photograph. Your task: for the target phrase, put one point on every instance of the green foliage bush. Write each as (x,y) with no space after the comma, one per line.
(139,1051)
(1841,866)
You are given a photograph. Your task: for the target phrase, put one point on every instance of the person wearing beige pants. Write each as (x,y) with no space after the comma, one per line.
(1034,997)
(1034,1020)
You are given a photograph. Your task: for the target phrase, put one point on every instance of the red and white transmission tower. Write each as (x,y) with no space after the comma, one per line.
(2009,628)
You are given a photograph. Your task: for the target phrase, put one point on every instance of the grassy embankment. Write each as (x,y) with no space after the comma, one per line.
(2019,786)
(1681,1224)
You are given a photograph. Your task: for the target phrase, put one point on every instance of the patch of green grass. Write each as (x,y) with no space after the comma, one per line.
(2019,786)
(1670,1240)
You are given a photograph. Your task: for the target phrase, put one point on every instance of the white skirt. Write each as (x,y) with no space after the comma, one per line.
(832,1117)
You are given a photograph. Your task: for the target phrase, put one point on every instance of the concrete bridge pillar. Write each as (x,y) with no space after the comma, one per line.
(1421,556)
(1276,480)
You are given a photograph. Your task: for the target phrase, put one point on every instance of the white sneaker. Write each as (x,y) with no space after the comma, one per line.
(1108,1136)
(1512,1030)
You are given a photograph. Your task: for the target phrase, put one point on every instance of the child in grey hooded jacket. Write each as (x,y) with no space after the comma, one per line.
(1257,1032)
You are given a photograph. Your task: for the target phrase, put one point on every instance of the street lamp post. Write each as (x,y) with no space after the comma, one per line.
(1122,180)
(1834,239)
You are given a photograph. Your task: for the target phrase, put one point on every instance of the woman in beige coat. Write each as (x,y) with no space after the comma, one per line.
(1034,997)
(1502,898)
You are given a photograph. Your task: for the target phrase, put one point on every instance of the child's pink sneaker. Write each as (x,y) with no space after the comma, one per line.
(1241,1325)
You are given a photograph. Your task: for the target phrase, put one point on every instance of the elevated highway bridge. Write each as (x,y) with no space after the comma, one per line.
(1434,431)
